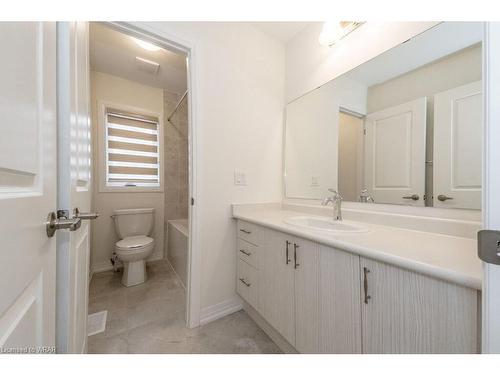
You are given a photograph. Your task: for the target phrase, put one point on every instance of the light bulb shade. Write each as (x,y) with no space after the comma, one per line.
(334,31)
(146,45)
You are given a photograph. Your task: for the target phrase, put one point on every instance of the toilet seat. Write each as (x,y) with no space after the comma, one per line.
(134,243)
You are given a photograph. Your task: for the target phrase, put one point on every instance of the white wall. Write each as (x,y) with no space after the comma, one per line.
(108,88)
(309,64)
(240,101)
(312,121)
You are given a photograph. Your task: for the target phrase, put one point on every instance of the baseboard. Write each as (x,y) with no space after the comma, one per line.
(277,338)
(107,266)
(175,273)
(101,267)
(219,310)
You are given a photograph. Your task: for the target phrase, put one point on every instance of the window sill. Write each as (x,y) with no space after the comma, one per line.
(130,189)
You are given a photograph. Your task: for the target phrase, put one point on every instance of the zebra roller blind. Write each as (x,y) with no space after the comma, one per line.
(132,149)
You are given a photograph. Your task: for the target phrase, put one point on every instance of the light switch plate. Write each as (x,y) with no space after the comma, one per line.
(240,179)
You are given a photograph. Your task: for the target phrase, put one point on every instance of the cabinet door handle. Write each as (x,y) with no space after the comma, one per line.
(365,284)
(245,252)
(245,231)
(244,282)
(295,247)
(287,257)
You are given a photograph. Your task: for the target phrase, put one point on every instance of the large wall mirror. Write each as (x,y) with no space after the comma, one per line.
(402,128)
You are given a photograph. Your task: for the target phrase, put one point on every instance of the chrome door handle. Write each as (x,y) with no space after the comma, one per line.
(413,197)
(245,231)
(54,223)
(443,198)
(245,252)
(85,215)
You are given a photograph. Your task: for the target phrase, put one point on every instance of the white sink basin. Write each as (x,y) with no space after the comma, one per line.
(325,224)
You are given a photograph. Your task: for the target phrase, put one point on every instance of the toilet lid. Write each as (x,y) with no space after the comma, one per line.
(134,242)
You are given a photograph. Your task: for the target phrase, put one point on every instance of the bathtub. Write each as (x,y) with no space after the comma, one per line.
(177,246)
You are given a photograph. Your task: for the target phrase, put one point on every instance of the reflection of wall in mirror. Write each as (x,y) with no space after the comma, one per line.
(350,156)
(311,152)
(457,69)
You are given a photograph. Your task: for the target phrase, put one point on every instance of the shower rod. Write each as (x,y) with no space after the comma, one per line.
(177,106)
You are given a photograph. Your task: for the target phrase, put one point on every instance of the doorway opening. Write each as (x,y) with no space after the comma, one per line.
(351,145)
(143,173)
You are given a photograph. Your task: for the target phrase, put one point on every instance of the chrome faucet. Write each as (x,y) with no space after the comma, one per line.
(365,197)
(336,200)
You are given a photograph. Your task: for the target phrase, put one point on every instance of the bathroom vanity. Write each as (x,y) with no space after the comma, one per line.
(397,143)
(366,289)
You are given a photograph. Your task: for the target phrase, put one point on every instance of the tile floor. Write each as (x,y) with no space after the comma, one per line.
(149,318)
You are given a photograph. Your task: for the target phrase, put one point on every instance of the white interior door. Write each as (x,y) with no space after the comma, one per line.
(27,185)
(395,154)
(491,199)
(458,137)
(74,184)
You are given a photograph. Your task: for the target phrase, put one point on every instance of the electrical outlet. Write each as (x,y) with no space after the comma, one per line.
(240,179)
(314,181)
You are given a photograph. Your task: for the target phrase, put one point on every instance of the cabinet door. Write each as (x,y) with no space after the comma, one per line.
(305,260)
(412,313)
(276,284)
(339,305)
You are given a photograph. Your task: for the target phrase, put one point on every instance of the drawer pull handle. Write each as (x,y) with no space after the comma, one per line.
(244,282)
(245,231)
(295,247)
(287,257)
(245,252)
(365,284)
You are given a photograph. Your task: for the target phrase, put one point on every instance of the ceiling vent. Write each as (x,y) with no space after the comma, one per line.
(147,66)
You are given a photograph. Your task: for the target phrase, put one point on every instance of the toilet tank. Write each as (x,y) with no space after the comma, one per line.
(134,221)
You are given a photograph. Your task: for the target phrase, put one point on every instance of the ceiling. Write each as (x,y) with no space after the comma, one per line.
(115,53)
(283,31)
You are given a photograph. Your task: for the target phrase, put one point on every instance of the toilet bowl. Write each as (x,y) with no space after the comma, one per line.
(133,227)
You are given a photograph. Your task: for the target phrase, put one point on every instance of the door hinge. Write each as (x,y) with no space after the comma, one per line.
(192,201)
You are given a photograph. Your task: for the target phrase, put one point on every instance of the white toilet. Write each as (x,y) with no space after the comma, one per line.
(133,226)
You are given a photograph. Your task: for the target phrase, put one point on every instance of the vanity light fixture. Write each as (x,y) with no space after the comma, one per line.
(146,45)
(334,31)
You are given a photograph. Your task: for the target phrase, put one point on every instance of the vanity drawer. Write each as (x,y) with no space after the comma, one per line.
(248,252)
(249,232)
(247,286)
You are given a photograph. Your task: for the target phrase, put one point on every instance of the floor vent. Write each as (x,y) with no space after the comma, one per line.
(96,323)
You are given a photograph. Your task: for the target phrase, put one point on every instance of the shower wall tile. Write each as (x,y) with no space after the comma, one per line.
(175,160)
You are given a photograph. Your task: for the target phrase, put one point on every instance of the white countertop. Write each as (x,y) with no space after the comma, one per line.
(441,256)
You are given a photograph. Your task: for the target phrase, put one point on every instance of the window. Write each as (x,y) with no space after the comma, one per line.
(132,150)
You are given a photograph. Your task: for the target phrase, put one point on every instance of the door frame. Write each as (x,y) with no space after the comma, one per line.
(491,183)
(173,42)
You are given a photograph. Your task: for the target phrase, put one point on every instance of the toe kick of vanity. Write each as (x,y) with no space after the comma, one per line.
(322,299)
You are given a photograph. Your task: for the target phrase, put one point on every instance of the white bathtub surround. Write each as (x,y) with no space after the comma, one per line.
(438,254)
(178,240)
